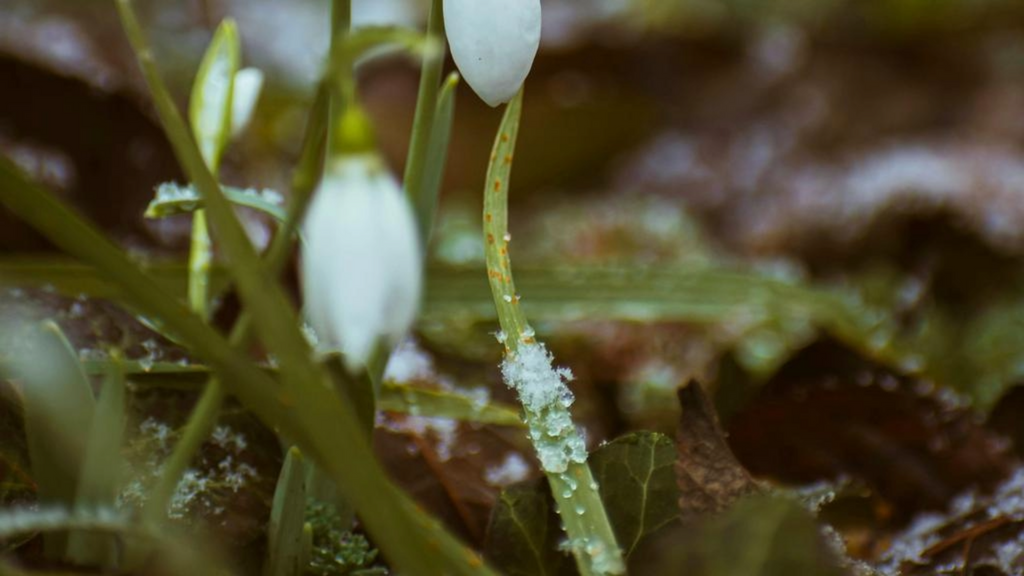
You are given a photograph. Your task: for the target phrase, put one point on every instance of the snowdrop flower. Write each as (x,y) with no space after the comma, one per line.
(248,85)
(362,267)
(493,43)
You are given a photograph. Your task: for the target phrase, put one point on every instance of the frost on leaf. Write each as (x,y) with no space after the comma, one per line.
(545,397)
(989,526)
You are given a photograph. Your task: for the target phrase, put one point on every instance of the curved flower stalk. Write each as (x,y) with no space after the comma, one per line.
(362,264)
(493,43)
(541,388)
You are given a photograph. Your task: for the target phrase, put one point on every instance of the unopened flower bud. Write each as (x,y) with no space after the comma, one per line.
(362,265)
(493,43)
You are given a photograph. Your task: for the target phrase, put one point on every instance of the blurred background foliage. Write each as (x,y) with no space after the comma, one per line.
(816,207)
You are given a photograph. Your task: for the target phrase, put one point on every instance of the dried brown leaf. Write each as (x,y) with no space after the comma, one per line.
(710,478)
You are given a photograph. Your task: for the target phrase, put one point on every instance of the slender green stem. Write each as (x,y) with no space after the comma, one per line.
(210,118)
(437,157)
(340,77)
(423,121)
(199,260)
(341,20)
(591,538)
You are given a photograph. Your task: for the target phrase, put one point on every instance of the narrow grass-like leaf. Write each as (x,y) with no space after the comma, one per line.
(73,278)
(210,112)
(442,404)
(700,294)
(285,533)
(573,488)
(398,398)
(101,475)
(100,480)
(59,411)
(17,521)
(366,42)
(424,126)
(173,199)
(177,555)
(437,157)
(637,477)
(210,105)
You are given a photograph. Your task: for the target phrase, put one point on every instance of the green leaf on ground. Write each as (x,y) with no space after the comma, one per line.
(760,536)
(523,535)
(637,480)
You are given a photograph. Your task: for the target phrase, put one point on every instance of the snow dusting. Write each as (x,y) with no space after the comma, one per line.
(512,469)
(544,395)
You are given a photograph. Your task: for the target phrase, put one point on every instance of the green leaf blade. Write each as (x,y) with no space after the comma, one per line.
(286,538)
(173,199)
(522,536)
(637,481)
(761,536)
(59,410)
(437,156)
(100,480)
(210,105)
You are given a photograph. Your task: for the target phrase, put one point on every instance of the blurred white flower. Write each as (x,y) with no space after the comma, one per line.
(248,85)
(493,43)
(361,262)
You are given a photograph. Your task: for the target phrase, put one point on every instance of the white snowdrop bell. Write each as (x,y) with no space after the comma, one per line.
(361,262)
(493,43)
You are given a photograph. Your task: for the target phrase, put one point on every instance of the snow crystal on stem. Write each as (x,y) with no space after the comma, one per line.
(544,395)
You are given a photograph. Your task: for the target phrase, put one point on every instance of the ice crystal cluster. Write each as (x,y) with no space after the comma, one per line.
(205,488)
(544,395)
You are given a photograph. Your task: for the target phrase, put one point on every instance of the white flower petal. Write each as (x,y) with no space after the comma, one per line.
(362,267)
(493,43)
(248,85)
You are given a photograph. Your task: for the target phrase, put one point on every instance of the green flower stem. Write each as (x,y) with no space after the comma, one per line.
(304,406)
(199,260)
(423,125)
(210,117)
(428,146)
(591,538)
(341,21)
